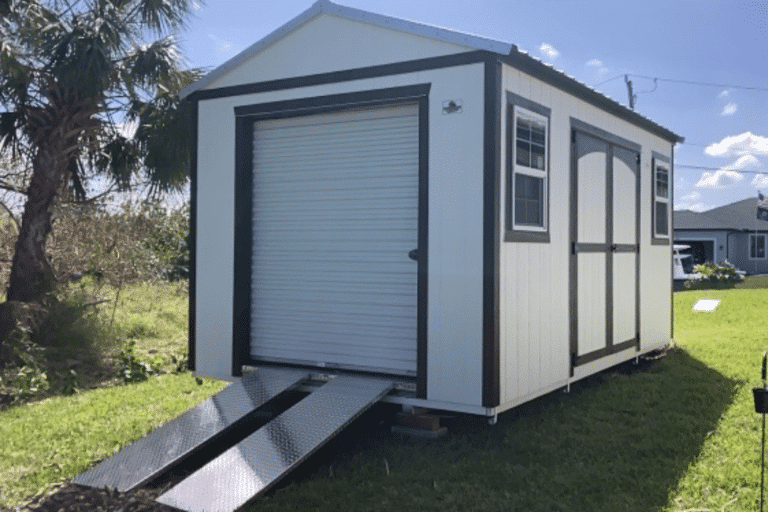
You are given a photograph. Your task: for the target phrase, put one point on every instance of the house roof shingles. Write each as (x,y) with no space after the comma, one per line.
(738,216)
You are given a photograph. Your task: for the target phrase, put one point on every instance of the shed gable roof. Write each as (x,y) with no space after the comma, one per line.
(507,52)
(462,39)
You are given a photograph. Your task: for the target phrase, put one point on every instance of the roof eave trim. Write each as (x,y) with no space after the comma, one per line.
(416,28)
(328,7)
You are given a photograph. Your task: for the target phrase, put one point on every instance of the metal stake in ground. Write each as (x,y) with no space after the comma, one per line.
(761,406)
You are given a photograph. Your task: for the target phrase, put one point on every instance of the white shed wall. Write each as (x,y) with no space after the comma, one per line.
(214,263)
(454,352)
(534,277)
(328,43)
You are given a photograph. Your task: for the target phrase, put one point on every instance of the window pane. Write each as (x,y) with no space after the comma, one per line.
(757,246)
(537,157)
(523,129)
(662,182)
(537,134)
(661,219)
(523,153)
(529,200)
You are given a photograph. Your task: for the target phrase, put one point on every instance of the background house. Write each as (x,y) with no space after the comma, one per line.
(731,232)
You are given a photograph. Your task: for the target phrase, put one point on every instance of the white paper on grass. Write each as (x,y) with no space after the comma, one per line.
(706,305)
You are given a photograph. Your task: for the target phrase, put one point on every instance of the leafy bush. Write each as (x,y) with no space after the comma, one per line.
(22,375)
(132,369)
(170,243)
(138,241)
(714,275)
(90,335)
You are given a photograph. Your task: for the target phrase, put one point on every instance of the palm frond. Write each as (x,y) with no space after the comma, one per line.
(164,138)
(15,77)
(164,15)
(152,64)
(119,160)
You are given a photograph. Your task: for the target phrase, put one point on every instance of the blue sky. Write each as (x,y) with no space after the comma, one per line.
(692,43)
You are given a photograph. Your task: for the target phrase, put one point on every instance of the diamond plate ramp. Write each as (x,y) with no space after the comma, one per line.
(261,459)
(170,444)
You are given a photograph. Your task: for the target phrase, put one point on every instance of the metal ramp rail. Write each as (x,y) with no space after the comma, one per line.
(205,423)
(261,459)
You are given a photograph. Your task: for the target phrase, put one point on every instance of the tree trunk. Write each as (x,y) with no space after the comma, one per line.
(31,274)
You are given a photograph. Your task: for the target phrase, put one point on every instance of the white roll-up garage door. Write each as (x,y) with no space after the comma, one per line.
(335,215)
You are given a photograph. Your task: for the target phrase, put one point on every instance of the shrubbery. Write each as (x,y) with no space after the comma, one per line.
(67,341)
(140,241)
(714,275)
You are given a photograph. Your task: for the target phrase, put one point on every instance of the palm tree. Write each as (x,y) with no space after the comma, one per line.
(73,75)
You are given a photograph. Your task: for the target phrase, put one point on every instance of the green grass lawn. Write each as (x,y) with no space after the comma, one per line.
(675,434)
(57,438)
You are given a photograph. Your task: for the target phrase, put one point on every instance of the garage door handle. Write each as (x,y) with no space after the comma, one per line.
(414,254)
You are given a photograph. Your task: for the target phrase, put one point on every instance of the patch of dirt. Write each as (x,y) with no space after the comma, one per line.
(71,497)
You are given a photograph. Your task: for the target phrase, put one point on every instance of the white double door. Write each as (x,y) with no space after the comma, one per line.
(605,246)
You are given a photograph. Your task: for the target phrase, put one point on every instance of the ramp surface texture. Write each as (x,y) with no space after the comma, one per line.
(261,459)
(170,444)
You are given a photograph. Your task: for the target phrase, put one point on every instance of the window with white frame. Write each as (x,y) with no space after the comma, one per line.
(661,201)
(757,247)
(529,176)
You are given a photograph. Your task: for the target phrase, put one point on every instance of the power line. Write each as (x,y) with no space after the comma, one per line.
(706,84)
(609,80)
(687,82)
(702,168)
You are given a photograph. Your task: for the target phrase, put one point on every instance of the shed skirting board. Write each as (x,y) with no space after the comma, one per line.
(580,372)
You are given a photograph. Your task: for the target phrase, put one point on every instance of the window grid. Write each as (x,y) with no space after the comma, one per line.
(661,202)
(529,181)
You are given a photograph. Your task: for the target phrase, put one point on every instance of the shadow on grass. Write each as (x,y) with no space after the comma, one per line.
(621,440)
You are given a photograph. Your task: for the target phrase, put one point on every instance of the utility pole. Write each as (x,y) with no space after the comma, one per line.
(632,96)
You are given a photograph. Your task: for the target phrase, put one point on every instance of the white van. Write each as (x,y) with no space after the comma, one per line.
(682,263)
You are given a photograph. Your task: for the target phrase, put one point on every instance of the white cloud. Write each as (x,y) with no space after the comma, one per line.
(548,51)
(221,44)
(719,179)
(760,181)
(691,201)
(729,109)
(724,94)
(745,162)
(596,63)
(694,207)
(196,5)
(743,144)
(691,196)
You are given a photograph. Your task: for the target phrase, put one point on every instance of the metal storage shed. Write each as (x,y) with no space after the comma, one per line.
(383,210)
(379,196)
